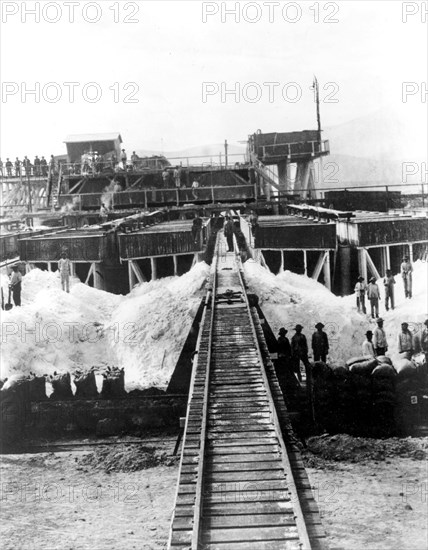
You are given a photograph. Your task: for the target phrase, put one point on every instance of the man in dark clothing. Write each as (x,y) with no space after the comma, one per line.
(9,166)
(17,167)
(196,228)
(284,348)
(229,230)
(36,166)
(27,166)
(283,363)
(299,352)
(320,343)
(15,285)
(44,166)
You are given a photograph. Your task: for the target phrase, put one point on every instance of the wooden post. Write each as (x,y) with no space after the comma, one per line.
(305,262)
(98,279)
(174,257)
(153,266)
(326,268)
(387,257)
(49,266)
(131,276)
(281,265)
(362,263)
(371,265)
(411,252)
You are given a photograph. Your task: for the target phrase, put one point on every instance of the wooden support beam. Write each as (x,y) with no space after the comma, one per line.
(281,265)
(90,273)
(154,270)
(388,257)
(98,278)
(327,273)
(320,264)
(305,262)
(131,276)
(49,266)
(411,252)
(174,259)
(371,265)
(362,263)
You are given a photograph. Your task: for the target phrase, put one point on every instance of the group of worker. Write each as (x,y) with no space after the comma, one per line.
(290,354)
(15,278)
(372,290)
(18,168)
(296,351)
(376,343)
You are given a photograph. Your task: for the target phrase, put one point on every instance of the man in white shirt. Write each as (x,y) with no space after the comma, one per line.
(405,340)
(64,267)
(379,338)
(360,293)
(368,349)
(406,269)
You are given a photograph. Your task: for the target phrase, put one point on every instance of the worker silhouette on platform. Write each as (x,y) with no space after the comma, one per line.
(406,269)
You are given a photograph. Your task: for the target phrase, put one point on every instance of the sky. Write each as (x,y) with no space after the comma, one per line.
(150,62)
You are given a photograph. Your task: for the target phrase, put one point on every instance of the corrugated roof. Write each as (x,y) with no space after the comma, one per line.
(79,138)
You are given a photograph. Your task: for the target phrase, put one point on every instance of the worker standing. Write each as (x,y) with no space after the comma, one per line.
(405,340)
(196,228)
(229,230)
(360,293)
(320,344)
(123,159)
(64,267)
(368,348)
(388,283)
(15,285)
(379,339)
(299,352)
(406,269)
(373,295)
(424,343)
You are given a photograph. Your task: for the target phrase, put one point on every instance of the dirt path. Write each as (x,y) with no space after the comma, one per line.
(53,501)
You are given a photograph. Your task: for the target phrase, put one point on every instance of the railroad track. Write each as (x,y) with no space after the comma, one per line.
(241,485)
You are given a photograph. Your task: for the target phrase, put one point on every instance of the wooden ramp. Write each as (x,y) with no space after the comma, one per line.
(242,485)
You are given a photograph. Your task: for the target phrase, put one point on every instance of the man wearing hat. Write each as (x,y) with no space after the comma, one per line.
(424,343)
(405,340)
(360,293)
(284,348)
(373,294)
(299,352)
(320,343)
(406,269)
(379,338)
(15,285)
(283,363)
(368,349)
(388,283)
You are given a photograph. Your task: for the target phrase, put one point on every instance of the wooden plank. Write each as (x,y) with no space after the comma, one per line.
(220,477)
(241,449)
(272,495)
(265,465)
(248,508)
(250,534)
(255,520)
(251,545)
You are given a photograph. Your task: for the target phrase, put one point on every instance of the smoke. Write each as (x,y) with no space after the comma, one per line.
(107,196)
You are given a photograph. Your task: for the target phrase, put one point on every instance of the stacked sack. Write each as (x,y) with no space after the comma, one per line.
(383,396)
(323,399)
(411,382)
(360,369)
